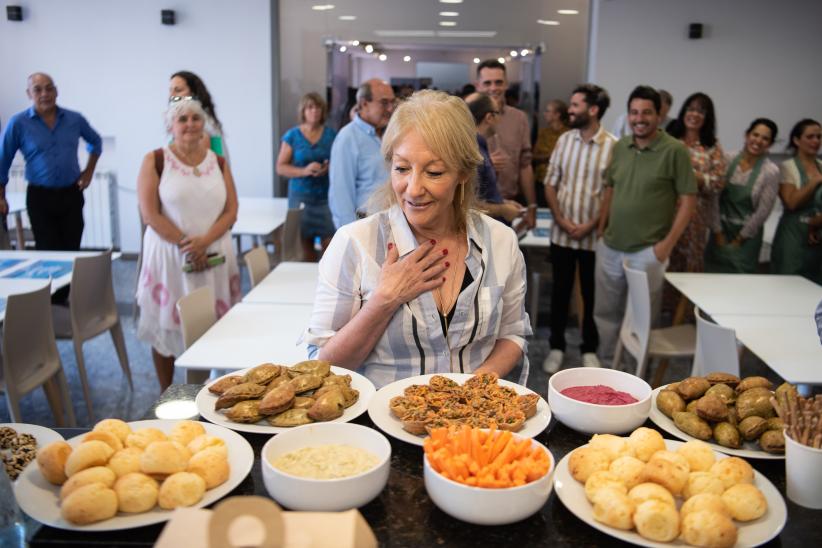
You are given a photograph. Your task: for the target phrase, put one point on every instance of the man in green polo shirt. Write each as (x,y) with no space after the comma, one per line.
(649,198)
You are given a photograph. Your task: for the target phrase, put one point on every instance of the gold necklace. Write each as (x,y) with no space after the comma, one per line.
(187,160)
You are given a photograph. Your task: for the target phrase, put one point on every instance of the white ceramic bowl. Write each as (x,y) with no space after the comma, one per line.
(334,495)
(594,418)
(488,506)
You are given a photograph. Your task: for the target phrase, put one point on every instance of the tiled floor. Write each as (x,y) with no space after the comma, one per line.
(112,396)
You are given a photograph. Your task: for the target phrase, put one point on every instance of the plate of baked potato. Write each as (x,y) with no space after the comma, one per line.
(270,398)
(649,491)
(733,415)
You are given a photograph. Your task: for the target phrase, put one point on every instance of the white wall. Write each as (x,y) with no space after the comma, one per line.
(111,60)
(757,57)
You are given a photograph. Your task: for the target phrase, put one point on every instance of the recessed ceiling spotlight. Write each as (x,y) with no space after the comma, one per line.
(342,49)
(322,7)
(369,48)
(450,1)
(448,24)
(501,60)
(382,57)
(348,17)
(568,12)
(407,58)
(524,52)
(547,22)
(449,14)
(514,53)
(355,43)
(476,60)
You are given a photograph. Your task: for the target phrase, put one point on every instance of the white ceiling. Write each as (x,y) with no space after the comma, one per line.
(514,21)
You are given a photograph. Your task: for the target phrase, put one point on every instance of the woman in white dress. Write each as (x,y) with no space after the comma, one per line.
(188,203)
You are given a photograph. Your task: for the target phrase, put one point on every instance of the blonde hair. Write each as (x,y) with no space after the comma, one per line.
(309,98)
(447,127)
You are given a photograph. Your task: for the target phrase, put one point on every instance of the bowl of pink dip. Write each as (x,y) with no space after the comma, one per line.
(598,400)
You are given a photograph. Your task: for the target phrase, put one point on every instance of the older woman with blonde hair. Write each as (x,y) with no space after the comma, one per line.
(304,155)
(427,284)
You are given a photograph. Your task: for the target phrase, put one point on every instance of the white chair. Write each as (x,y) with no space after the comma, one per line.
(197,315)
(636,335)
(716,349)
(30,356)
(92,311)
(258,265)
(291,243)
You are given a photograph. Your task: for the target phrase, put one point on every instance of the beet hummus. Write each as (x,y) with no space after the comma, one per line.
(599,394)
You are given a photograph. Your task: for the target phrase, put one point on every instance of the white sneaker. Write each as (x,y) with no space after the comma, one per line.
(553,362)
(589,359)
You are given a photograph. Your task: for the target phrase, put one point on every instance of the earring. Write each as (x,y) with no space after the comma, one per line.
(462,192)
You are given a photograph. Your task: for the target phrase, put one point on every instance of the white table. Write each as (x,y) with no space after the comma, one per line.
(749,294)
(288,283)
(259,217)
(17,205)
(788,344)
(539,236)
(248,335)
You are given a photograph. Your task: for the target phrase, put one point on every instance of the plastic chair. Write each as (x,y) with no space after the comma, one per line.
(291,244)
(258,265)
(92,311)
(197,315)
(30,356)
(636,335)
(716,349)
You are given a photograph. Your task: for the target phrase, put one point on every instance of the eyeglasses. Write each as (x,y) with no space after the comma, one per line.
(178,98)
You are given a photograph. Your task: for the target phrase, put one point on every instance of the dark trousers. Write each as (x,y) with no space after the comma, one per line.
(564,262)
(56,216)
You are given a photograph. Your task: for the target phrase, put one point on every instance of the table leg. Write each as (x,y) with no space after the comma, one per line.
(21,239)
(196,376)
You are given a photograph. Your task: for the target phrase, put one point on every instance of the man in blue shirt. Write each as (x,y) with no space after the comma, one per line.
(48,136)
(356,167)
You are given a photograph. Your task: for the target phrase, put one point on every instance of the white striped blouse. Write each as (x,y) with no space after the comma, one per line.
(492,307)
(576,172)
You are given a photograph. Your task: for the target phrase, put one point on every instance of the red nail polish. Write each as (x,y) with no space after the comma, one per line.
(443,279)
(445,252)
(447,264)
(390,246)
(433,242)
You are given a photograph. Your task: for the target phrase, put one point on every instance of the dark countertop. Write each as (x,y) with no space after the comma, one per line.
(403,515)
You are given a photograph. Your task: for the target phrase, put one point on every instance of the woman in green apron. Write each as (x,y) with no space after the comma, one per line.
(743,206)
(801,194)
(188,84)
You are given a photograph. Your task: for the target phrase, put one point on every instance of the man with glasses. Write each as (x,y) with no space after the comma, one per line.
(356,166)
(511,147)
(48,136)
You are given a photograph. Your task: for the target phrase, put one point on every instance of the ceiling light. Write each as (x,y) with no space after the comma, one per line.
(355,43)
(501,60)
(322,7)
(342,49)
(407,58)
(405,33)
(348,17)
(369,48)
(514,53)
(466,33)
(449,14)
(476,60)
(448,24)
(450,1)
(524,52)
(382,57)
(568,12)
(547,22)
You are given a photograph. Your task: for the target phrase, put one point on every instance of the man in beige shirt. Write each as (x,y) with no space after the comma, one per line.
(511,147)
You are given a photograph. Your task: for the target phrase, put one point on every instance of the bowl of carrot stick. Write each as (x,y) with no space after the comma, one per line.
(486,476)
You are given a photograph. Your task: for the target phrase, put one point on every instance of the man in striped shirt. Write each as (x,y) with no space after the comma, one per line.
(573,186)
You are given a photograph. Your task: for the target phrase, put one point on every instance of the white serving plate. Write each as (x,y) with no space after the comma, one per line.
(751,533)
(42,435)
(381,415)
(205,404)
(750,449)
(40,499)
